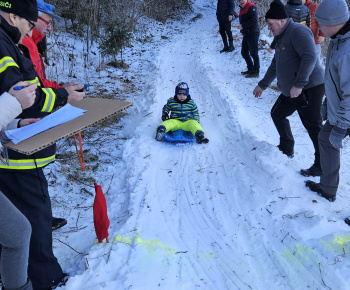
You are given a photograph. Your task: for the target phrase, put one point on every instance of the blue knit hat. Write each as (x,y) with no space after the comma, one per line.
(182,89)
(47,8)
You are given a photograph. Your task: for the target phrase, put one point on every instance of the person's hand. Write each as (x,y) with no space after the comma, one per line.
(70,84)
(270,50)
(295,92)
(258,91)
(239,27)
(73,95)
(320,39)
(25,96)
(165,117)
(26,122)
(336,137)
(230,17)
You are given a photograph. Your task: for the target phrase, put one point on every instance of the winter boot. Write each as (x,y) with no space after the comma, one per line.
(249,71)
(231,47)
(314,170)
(315,187)
(252,74)
(225,49)
(160,133)
(200,137)
(58,223)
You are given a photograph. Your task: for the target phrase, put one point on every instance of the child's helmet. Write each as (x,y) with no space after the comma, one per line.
(182,89)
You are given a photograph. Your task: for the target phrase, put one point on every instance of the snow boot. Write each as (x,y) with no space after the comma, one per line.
(289,154)
(200,137)
(347,221)
(314,170)
(160,133)
(225,49)
(249,71)
(58,223)
(231,47)
(315,187)
(252,74)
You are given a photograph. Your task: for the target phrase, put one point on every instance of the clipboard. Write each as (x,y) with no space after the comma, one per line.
(98,110)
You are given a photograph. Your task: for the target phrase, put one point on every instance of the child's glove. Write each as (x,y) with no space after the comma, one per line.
(165,117)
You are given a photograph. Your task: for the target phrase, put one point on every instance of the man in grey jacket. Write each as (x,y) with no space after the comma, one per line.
(300,79)
(333,19)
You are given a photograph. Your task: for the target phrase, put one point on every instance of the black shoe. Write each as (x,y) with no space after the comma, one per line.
(315,187)
(347,221)
(314,170)
(200,137)
(58,223)
(60,283)
(231,48)
(252,74)
(225,49)
(289,154)
(160,133)
(246,72)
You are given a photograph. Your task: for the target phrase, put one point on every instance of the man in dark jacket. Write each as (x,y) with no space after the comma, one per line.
(22,180)
(296,10)
(249,26)
(300,79)
(224,13)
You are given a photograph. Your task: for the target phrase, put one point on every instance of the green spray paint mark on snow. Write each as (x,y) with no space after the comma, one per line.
(339,244)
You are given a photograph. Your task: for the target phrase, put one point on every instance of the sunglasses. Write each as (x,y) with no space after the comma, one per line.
(48,23)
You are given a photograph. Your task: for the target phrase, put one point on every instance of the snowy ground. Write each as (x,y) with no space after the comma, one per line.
(230,214)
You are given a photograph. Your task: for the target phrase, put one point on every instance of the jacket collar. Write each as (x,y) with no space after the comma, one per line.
(11,31)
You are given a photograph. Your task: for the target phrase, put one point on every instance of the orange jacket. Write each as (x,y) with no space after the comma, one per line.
(314,27)
(39,66)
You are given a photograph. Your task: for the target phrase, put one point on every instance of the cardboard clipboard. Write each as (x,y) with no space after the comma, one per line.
(97,111)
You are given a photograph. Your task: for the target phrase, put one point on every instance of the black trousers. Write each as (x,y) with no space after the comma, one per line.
(28,191)
(308,106)
(250,50)
(225,32)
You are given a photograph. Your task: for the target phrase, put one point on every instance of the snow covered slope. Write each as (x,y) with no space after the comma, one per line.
(230,214)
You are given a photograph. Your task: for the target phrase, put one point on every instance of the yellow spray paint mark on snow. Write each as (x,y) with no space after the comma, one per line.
(149,245)
(301,254)
(339,244)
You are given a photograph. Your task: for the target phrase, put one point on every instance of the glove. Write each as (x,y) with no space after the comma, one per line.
(337,136)
(324,110)
(165,117)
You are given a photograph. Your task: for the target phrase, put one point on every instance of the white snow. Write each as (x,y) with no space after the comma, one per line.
(230,214)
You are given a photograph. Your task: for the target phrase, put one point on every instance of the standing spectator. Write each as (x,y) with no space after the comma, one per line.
(318,35)
(333,19)
(296,10)
(22,180)
(224,13)
(249,26)
(300,79)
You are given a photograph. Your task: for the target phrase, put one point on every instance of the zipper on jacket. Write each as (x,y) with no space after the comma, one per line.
(334,84)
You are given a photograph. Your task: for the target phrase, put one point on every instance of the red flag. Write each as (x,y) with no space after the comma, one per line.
(101,220)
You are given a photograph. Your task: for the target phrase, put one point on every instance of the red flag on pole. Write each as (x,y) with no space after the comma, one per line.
(101,220)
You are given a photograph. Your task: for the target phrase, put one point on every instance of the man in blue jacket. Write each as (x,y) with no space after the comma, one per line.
(300,79)
(333,19)
(224,13)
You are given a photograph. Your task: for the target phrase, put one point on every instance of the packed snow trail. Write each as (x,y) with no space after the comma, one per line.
(212,216)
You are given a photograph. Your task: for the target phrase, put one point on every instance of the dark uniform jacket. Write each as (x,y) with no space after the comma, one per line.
(224,9)
(15,67)
(298,12)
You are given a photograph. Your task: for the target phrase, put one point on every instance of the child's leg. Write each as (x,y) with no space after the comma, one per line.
(192,126)
(171,125)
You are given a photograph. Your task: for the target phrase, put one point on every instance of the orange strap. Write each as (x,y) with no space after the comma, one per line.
(81,155)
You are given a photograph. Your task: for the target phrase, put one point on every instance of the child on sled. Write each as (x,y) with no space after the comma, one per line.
(184,115)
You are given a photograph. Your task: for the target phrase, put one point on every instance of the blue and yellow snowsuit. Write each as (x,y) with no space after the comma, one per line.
(183,116)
